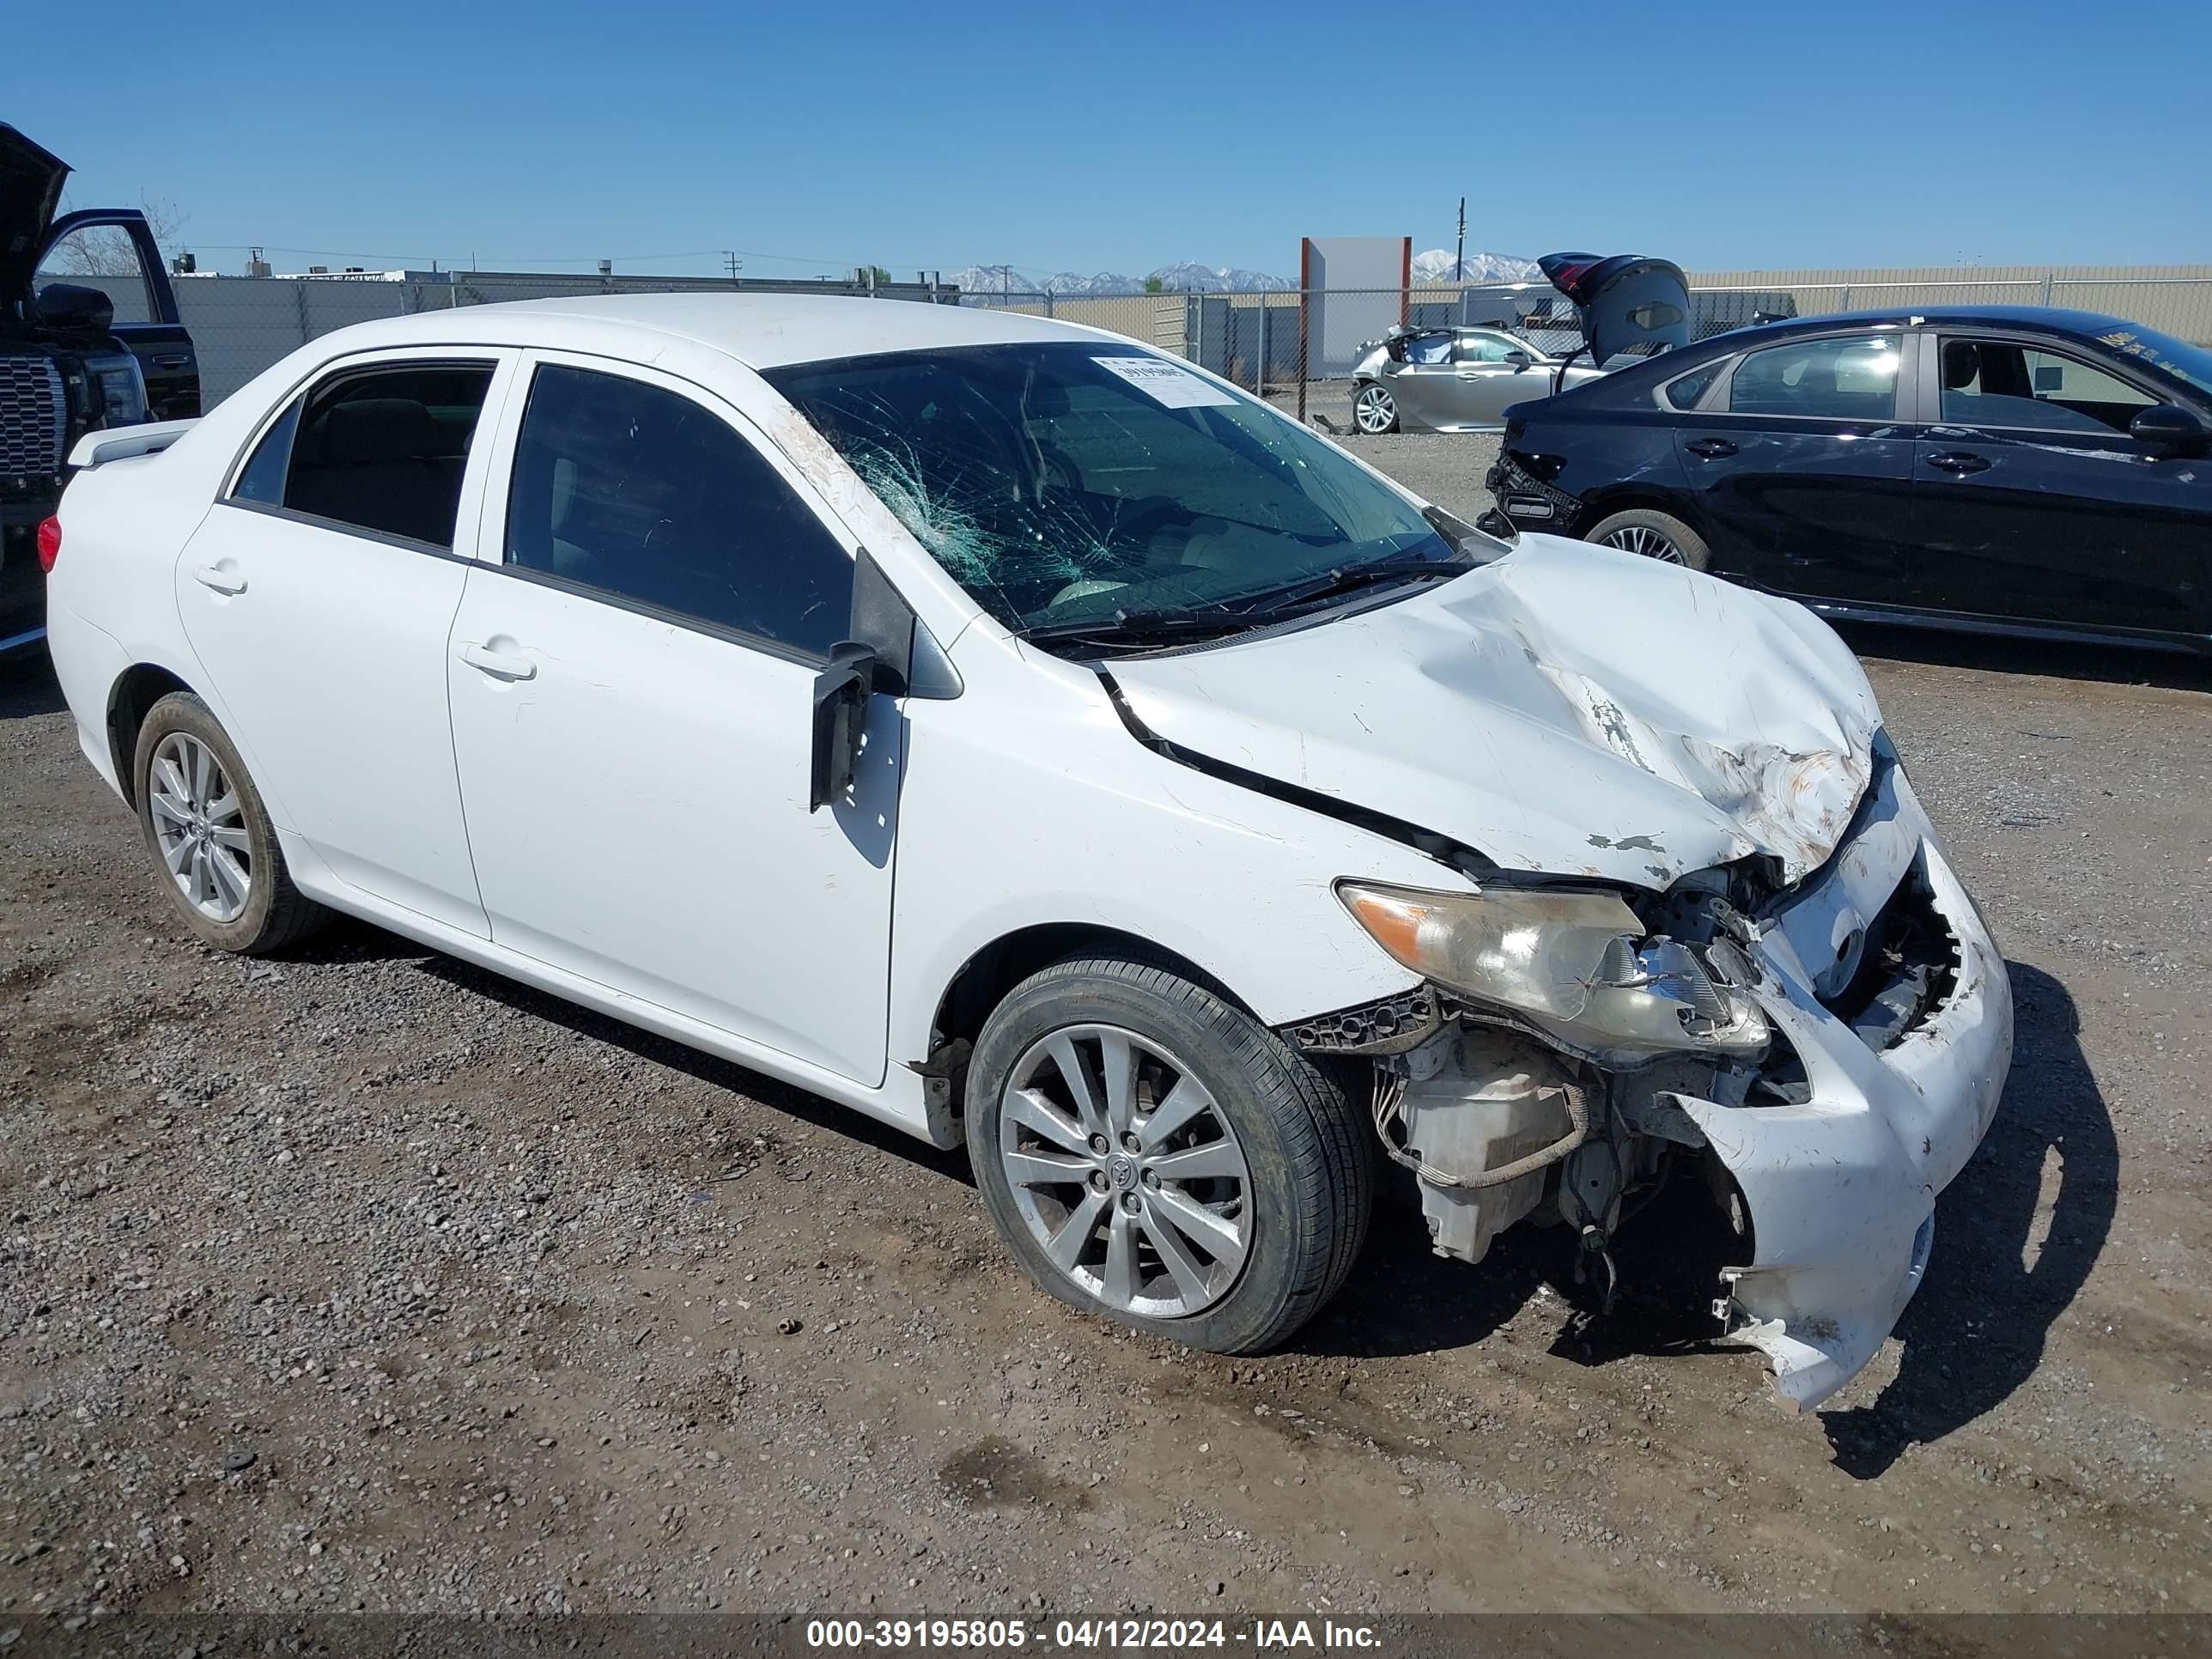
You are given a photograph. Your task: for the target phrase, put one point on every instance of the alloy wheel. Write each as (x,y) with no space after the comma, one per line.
(1126,1171)
(1648,543)
(200,824)
(1373,410)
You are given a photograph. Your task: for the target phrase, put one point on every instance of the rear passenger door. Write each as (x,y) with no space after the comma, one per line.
(632,676)
(318,594)
(1800,461)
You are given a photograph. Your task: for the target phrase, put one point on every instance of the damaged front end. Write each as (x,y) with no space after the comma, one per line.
(1829,1052)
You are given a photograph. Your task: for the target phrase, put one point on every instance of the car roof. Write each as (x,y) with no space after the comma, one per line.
(2043,319)
(761,330)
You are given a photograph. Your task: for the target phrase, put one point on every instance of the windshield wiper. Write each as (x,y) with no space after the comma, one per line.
(1138,625)
(1350,578)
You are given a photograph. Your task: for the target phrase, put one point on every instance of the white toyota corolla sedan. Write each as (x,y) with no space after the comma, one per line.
(1027,739)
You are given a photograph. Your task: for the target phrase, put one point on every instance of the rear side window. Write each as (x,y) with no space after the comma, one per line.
(382,450)
(1849,378)
(645,494)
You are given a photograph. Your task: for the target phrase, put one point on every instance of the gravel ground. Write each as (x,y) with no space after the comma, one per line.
(361,1279)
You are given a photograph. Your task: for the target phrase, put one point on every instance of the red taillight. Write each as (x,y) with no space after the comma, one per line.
(50,543)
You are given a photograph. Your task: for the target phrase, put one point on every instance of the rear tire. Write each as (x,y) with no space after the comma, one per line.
(1654,535)
(1278,1153)
(215,851)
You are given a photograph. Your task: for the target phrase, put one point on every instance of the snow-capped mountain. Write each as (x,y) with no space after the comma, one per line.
(1435,266)
(1188,277)
(1184,277)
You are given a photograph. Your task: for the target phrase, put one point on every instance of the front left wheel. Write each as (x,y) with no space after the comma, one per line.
(214,850)
(1373,410)
(1150,1151)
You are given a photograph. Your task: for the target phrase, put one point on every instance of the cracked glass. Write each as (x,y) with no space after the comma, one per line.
(1057,488)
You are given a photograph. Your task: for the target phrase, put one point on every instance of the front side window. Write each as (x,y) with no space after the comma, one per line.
(2001,383)
(1063,481)
(380,449)
(647,495)
(1488,348)
(103,257)
(1852,378)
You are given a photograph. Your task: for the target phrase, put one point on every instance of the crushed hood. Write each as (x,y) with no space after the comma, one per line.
(1568,710)
(30,190)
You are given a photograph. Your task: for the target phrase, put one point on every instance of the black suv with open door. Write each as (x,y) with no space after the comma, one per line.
(89,338)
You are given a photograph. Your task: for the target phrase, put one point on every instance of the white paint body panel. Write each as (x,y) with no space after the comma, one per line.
(628,828)
(1569,709)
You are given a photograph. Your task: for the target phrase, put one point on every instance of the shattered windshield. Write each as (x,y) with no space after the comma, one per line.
(1068,482)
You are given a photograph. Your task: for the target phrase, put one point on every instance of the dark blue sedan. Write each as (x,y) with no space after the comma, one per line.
(2011,471)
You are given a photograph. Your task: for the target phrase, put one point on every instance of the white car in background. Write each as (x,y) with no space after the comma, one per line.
(1025,739)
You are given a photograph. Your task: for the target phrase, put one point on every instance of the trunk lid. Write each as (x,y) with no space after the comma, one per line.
(1628,303)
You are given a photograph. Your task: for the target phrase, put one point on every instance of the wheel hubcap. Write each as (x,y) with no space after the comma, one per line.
(1646,541)
(1125,1169)
(200,824)
(1375,410)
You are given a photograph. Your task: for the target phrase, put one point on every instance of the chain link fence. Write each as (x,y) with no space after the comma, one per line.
(1299,349)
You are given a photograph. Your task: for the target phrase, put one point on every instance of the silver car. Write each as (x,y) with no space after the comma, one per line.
(1453,379)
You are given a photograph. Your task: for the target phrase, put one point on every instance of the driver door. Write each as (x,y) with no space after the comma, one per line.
(631,676)
(1490,371)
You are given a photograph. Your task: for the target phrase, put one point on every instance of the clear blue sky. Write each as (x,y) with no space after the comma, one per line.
(1103,136)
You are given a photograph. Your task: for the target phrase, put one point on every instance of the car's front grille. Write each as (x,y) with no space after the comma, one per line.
(32,415)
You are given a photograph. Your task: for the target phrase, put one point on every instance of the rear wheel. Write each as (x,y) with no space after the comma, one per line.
(214,850)
(1151,1152)
(1653,535)
(1373,410)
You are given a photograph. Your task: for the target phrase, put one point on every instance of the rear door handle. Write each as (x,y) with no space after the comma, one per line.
(176,361)
(498,664)
(222,580)
(1959,461)
(1712,448)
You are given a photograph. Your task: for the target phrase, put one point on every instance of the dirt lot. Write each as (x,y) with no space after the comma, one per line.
(362,1280)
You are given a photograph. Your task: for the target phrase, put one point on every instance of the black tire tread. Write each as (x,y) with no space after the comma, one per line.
(1696,553)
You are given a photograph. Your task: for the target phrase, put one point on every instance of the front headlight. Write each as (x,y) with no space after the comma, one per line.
(120,387)
(1576,962)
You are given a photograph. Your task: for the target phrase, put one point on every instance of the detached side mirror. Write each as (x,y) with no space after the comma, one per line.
(2168,430)
(889,652)
(1518,361)
(842,691)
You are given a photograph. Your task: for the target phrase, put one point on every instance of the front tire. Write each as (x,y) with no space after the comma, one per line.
(1373,410)
(1151,1152)
(215,851)
(1653,535)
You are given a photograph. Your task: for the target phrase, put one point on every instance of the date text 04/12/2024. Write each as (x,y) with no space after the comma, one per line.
(1003,1635)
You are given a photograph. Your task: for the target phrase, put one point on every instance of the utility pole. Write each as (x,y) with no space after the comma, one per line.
(1459,252)
(731,264)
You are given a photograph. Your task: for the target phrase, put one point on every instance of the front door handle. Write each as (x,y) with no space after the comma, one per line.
(1959,462)
(498,664)
(1712,448)
(222,580)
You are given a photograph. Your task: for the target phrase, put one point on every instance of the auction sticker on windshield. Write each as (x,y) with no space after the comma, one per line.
(1178,388)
